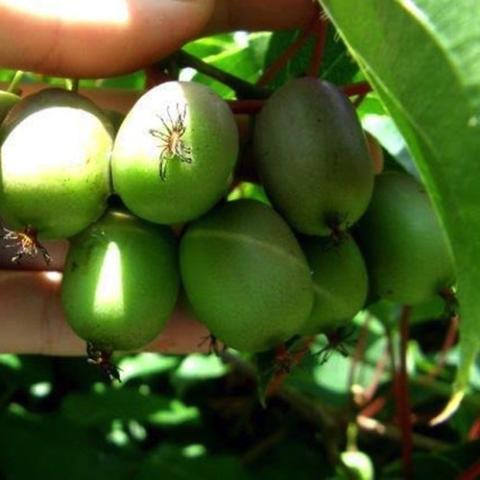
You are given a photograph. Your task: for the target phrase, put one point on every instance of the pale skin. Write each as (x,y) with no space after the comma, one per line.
(74,38)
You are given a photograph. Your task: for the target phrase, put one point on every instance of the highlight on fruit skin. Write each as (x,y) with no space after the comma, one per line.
(54,177)
(245,276)
(340,283)
(120,283)
(175,153)
(407,254)
(312,157)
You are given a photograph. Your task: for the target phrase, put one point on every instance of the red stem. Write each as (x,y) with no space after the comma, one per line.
(246,106)
(279,63)
(361,88)
(448,343)
(373,408)
(371,390)
(471,474)
(277,381)
(474,432)
(359,352)
(320,31)
(402,395)
(252,107)
(155,76)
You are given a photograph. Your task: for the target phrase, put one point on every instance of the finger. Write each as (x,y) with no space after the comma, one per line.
(231,15)
(87,38)
(121,100)
(32,320)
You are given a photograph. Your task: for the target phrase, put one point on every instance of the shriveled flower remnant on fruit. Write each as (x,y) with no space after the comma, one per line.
(25,243)
(103,359)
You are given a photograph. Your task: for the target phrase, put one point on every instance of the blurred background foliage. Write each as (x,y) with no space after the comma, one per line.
(199,417)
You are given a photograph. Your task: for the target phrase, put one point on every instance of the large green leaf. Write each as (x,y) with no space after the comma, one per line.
(171,462)
(45,446)
(93,409)
(422,57)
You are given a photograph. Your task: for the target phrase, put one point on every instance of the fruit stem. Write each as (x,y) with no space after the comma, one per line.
(277,380)
(360,88)
(320,32)
(279,63)
(449,341)
(402,396)
(160,72)
(474,432)
(373,408)
(380,366)
(242,88)
(358,353)
(249,107)
(155,76)
(12,87)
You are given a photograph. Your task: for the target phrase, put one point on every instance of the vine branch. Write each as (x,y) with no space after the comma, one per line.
(242,88)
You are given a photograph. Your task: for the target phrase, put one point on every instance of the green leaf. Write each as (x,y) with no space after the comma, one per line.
(380,124)
(424,466)
(172,462)
(145,365)
(422,58)
(201,367)
(206,46)
(46,447)
(444,465)
(126,404)
(197,368)
(245,61)
(290,459)
(21,371)
(135,81)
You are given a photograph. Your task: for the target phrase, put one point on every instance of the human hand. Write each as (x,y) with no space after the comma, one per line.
(119,36)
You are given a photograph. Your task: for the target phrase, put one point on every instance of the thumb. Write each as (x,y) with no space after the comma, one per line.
(88,38)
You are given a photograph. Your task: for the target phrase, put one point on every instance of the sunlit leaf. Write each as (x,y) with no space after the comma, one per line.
(144,365)
(125,404)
